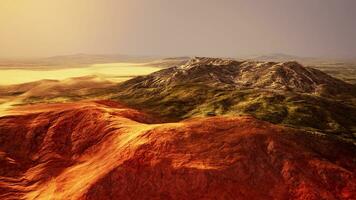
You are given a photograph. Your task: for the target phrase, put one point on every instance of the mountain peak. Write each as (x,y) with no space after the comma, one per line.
(198,61)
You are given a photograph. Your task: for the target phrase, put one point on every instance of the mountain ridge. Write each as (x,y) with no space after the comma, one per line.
(247,74)
(283,93)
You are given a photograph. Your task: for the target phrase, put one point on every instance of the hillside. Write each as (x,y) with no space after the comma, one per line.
(283,93)
(248,74)
(103,150)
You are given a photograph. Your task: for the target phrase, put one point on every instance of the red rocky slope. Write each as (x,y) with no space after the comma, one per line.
(102,150)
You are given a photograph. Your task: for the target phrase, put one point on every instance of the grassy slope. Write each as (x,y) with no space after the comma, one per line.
(335,115)
(298,110)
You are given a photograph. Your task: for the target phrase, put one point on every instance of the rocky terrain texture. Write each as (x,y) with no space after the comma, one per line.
(104,150)
(289,76)
(282,93)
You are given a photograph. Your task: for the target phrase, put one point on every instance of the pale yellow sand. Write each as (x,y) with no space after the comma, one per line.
(112,71)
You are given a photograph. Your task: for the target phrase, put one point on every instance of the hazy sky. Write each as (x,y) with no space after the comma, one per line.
(178,27)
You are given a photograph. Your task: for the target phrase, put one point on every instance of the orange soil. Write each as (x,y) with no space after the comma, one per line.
(102,150)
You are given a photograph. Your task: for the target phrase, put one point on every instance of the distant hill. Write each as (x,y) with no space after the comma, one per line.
(342,68)
(75,60)
(276,57)
(280,57)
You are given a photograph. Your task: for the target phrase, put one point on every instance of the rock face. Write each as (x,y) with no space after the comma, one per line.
(103,150)
(249,74)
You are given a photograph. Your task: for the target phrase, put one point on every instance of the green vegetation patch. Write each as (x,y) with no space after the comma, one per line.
(280,107)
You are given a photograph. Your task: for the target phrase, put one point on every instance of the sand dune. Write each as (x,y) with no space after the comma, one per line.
(58,91)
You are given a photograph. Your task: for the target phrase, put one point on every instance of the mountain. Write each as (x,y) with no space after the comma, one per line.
(283,93)
(249,74)
(104,150)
